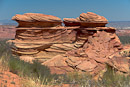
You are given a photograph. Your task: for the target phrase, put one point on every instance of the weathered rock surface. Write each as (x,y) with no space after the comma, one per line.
(37,20)
(92,17)
(44,43)
(100,48)
(88,19)
(83,47)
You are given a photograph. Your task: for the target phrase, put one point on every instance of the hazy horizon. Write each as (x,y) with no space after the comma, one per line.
(116,24)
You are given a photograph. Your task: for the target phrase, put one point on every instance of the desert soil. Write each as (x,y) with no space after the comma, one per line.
(8,79)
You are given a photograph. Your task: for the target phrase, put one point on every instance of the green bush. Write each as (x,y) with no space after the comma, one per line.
(124,39)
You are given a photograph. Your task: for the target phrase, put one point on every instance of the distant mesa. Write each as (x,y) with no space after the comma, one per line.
(37,20)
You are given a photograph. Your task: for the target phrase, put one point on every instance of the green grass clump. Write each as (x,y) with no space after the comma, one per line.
(24,69)
(124,39)
(34,70)
(112,79)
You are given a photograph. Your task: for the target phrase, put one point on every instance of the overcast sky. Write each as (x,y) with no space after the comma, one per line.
(113,10)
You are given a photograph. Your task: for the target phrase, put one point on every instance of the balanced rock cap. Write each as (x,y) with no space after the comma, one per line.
(31,17)
(37,20)
(92,17)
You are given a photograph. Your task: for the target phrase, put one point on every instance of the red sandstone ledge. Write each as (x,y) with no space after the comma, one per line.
(69,28)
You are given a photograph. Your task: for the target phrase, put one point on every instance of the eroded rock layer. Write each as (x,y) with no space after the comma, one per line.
(45,43)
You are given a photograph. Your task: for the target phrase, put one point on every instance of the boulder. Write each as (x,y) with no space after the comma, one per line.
(58,65)
(119,63)
(92,17)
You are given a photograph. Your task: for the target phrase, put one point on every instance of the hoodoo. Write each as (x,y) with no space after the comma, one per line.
(83,44)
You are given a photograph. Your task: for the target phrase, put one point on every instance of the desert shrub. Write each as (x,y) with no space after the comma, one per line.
(34,70)
(5,54)
(4,47)
(125,53)
(82,79)
(124,39)
(24,69)
(112,79)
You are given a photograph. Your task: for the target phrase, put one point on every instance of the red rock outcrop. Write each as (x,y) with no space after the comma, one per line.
(37,20)
(83,47)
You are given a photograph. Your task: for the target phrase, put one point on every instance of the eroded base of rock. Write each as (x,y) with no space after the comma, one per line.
(68,49)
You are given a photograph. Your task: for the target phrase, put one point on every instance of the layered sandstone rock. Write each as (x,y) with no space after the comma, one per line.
(83,47)
(88,19)
(37,20)
(45,43)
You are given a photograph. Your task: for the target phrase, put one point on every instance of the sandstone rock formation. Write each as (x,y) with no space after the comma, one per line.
(84,46)
(37,20)
(88,19)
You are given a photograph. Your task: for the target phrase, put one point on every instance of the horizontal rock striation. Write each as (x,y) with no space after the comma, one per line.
(37,41)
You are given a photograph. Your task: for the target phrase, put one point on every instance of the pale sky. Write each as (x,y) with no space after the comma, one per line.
(113,10)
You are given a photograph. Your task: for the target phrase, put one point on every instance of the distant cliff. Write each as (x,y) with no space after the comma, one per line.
(119,24)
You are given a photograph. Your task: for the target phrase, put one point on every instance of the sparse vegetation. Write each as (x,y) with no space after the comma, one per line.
(36,75)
